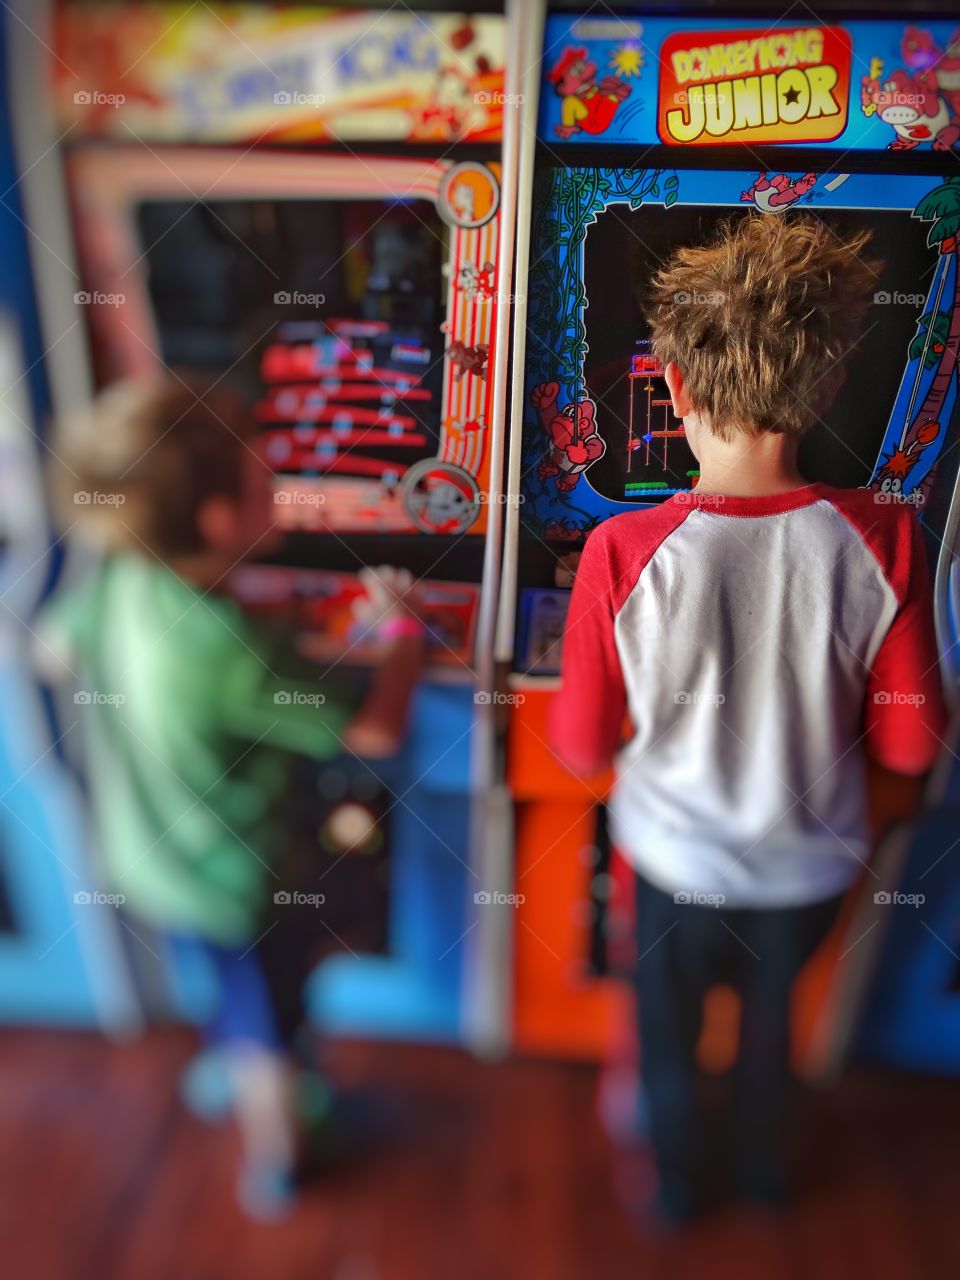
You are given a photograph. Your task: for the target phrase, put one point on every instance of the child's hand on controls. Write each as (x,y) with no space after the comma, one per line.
(391,605)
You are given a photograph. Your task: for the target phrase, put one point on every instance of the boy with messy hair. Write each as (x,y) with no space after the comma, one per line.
(189,739)
(765,636)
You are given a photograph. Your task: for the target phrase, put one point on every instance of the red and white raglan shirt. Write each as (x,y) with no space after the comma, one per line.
(762,646)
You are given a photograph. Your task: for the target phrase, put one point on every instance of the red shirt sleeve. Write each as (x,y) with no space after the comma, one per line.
(586,716)
(905,712)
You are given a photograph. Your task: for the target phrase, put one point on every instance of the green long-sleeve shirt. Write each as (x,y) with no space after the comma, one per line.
(188,730)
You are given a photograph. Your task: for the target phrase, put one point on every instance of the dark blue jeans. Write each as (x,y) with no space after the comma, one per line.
(683,950)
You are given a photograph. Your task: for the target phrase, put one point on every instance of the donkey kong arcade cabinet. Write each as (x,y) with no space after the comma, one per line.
(648,132)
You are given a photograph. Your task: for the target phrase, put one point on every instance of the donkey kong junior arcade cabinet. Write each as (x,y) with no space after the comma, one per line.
(330,243)
(643,133)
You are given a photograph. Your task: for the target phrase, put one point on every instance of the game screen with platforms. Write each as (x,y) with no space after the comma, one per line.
(360,330)
(349,406)
(345,368)
(328,313)
(646,457)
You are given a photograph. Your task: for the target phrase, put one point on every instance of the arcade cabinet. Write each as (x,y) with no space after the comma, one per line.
(330,244)
(59,943)
(647,133)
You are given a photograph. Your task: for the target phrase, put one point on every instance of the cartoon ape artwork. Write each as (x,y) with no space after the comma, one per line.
(108,51)
(574,443)
(914,108)
(456,105)
(452,109)
(940,69)
(466,359)
(919,49)
(476,283)
(588,105)
(773,195)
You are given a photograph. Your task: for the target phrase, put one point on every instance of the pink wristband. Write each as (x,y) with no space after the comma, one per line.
(394,628)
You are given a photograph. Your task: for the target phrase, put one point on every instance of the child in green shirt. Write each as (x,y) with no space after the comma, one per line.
(188,721)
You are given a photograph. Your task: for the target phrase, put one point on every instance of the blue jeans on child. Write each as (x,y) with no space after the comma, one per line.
(259,995)
(244,1009)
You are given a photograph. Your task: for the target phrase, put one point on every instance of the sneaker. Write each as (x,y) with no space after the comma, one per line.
(266,1194)
(205,1086)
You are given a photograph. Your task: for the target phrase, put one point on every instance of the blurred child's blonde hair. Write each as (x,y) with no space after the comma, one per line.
(132,469)
(759,320)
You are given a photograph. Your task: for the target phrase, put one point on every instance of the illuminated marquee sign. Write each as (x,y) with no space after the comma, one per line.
(216,72)
(779,85)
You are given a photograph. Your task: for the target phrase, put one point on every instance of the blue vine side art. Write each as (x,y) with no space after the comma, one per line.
(566,203)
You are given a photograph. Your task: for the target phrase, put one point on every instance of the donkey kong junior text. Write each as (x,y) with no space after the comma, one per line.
(770,87)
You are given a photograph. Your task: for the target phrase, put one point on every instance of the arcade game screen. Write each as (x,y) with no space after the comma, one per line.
(222,274)
(647,457)
(326,316)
